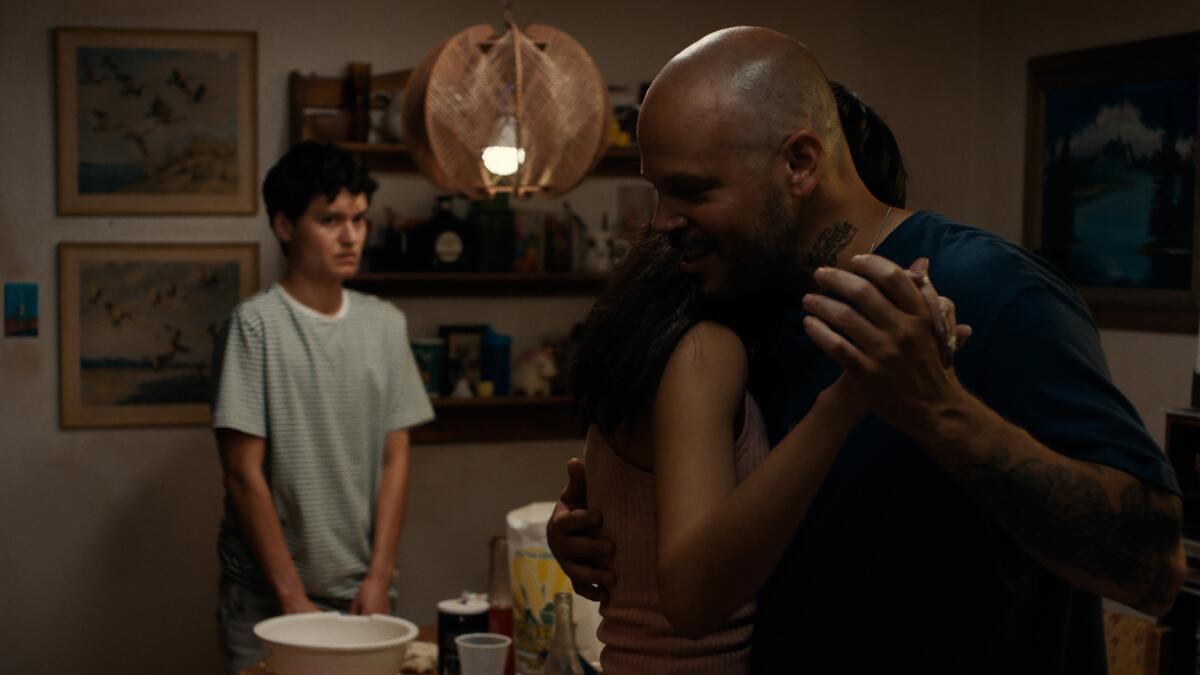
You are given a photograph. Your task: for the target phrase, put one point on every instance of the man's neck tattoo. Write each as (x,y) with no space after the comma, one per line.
(829,244)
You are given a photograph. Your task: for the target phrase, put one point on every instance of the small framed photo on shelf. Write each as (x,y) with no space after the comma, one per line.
(137,328)
(156,121)
(464,359)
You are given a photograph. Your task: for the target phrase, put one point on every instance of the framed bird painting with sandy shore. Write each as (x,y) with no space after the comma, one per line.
(156,122)
(137,328)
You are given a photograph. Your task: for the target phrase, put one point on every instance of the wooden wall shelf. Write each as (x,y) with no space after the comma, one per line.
(395,158)
(485,284)
(314,107)
(314,96)
(500,419)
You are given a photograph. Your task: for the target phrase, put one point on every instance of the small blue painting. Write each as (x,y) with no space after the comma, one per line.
(20,309)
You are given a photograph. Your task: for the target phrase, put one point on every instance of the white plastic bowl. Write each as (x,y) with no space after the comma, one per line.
(330,643)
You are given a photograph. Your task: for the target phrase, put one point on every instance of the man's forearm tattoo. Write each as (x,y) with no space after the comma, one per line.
(1065,515)
(829,244)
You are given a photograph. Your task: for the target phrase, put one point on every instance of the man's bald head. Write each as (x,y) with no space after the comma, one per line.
(740,137)
(759,85)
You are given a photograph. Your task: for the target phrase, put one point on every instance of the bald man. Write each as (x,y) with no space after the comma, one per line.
(972,523)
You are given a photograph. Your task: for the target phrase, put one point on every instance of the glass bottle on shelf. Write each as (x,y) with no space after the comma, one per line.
(356,100)
(493,221)
(496,361)
(563,658)
(559,240)
(393,244)
(445,242)
(500,612)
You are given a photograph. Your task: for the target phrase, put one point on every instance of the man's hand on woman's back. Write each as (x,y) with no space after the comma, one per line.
(573,535)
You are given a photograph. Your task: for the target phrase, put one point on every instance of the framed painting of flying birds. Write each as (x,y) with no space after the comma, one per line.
(156,122)
(138,326)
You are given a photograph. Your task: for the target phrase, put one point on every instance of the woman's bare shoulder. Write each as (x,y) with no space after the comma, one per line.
(710,337)
(710,345)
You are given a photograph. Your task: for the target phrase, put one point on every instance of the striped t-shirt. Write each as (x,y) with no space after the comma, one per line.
(324,391)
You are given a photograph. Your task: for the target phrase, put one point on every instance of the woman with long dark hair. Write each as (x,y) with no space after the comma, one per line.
(642,344)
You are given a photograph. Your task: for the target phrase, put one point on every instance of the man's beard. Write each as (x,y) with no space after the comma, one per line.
(763,262)
(760,279)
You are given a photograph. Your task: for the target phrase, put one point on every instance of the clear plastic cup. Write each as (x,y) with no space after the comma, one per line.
(482,653)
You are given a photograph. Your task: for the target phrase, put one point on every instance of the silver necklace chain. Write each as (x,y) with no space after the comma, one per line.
(878,232)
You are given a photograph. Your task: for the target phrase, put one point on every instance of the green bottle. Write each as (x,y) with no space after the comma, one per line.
(493,221)
(563,658)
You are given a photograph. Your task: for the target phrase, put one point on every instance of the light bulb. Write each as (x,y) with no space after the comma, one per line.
(503,160)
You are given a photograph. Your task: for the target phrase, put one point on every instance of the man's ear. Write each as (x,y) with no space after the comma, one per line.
(283,227)
(804,153)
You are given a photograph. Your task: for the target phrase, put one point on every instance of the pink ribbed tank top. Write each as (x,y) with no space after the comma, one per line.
(636,635)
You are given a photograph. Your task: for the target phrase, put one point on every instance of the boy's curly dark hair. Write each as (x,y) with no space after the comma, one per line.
(310,169)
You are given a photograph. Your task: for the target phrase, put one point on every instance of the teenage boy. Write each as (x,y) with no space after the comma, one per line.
(316,389)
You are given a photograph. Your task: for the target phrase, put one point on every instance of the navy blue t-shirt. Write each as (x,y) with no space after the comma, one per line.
(895,569)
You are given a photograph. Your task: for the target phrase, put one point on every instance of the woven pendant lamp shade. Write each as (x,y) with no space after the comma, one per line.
(524,112)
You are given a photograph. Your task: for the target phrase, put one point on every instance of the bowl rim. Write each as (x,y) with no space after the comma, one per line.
(410,628)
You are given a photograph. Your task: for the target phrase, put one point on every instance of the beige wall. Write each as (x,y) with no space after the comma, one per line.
(107,560)
(1152,369)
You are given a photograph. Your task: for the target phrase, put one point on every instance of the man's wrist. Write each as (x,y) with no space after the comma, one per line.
(947,427)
